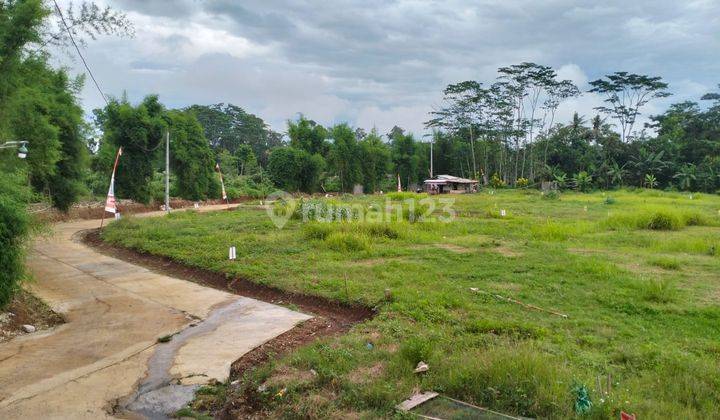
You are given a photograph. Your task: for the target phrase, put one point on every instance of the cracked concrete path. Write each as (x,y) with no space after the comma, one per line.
(115,312)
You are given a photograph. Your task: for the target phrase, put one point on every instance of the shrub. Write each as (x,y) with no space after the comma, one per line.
(522,182)
(610,200)
(496,181)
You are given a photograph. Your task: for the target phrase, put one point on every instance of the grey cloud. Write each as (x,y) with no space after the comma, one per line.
(360,59)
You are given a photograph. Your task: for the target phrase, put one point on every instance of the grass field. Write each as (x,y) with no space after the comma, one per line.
(637,273)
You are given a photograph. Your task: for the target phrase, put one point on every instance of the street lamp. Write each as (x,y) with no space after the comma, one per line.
(21,147)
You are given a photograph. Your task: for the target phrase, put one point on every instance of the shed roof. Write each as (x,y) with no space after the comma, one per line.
(449,179)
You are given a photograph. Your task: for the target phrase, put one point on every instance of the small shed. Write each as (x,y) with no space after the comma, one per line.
(443,184)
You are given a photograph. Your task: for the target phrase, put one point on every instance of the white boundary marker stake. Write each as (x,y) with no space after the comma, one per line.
(232,253)
(117,216)
(503,213)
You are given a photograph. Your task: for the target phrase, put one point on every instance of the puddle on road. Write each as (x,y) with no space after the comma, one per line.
(160,395)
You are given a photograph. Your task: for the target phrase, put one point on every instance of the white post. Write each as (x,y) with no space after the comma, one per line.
(167,171)
(431,159)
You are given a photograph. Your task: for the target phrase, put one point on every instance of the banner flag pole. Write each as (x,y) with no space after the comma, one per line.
(110,204)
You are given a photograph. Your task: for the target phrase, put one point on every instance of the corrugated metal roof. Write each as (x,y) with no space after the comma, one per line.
(441,179)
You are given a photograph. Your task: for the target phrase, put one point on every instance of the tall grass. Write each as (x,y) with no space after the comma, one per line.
(658,290)
(656,219)
(353,236)
(321,230)
(554,232)
(347,241)
(402,196)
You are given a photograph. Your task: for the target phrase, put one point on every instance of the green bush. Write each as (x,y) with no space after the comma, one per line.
(522,182)
(256,186)
(13,232)
(496,181)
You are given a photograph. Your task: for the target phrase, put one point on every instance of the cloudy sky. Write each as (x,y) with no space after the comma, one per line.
(384,63)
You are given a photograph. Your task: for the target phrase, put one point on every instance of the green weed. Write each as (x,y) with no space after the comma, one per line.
(658,290)
(347,242)
(665,262)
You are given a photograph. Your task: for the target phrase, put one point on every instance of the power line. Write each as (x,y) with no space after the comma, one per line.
(67,28)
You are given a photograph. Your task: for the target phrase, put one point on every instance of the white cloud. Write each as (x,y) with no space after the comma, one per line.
(574,73)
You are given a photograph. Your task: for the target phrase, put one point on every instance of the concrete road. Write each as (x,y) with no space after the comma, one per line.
(107,355)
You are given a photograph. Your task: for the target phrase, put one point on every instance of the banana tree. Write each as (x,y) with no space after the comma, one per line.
(685,176)
(616,173)
(650,181)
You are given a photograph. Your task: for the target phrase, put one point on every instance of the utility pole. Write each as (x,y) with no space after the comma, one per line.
(431,159)
(167,171)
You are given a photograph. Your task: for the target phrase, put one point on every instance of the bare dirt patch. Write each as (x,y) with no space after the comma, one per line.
(584,251)
(507,251)
(514,287)
(94,209)
(286,375)
(26,309)
(454,248)
(373,262)
(366,373)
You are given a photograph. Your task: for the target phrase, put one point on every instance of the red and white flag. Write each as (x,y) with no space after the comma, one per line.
(222,184)
(110,204)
